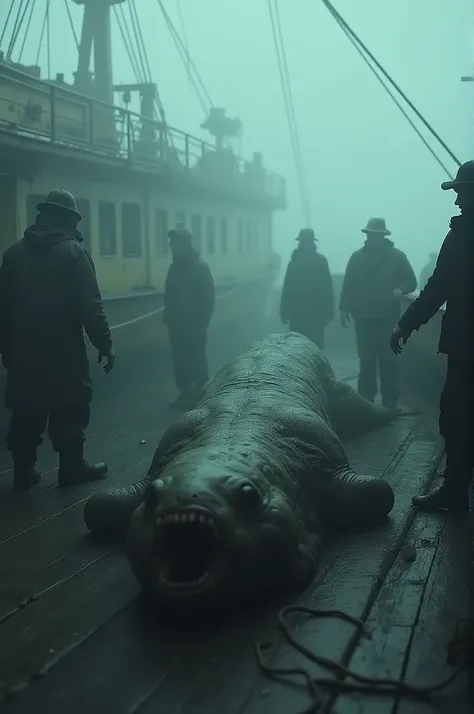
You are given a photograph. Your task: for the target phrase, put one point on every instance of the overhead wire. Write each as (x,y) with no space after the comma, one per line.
(289,114)
(125,31)
(48,37)
(20,16)
(184,52)
(398,104)
(68,10)
(185,37)
(40,43)
(10,10)
(292,110)
(343,24)
(141,58)
(27,30)
(148,74)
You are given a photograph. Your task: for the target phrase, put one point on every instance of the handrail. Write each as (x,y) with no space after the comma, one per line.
(125,134)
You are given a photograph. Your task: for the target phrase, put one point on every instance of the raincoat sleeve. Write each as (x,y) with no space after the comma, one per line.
(327,292)
(407,276)
(206,293)
(434,294)
(89,302)
(4,309)
(286,294)
(347,290)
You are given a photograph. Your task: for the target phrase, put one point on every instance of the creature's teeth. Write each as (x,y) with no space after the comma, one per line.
(210,521)
(202,519)
(192,517)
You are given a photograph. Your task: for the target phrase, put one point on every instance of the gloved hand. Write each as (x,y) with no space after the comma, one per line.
(109,355)
(399,335)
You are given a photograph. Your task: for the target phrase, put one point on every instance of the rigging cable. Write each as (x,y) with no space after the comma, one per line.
(148,74)
(126,33)
(398,104)
(338,17)
(20,16)
(141,58)
(125,39)
(288,113)
(68,10)
(178,41)
(27,30)
(185,38)
(292,109)
(10,10)
(48,38)
(40,43)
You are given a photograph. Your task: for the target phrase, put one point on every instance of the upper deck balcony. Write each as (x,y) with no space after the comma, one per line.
(51,112)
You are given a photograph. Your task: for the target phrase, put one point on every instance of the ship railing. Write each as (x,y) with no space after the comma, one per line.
(60,115)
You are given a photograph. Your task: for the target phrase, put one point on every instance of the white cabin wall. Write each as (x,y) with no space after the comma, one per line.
(118,274)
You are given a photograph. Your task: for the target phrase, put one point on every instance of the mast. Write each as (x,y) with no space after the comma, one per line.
(96,36)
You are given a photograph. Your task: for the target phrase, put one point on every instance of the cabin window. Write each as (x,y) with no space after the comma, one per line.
(196,230)
(211,235)
(240,235)
(107,229)
(32,201)
(84,226)
(161,232)
(131,230)
(249,236)
(255,238)
(224,235)
(180,219)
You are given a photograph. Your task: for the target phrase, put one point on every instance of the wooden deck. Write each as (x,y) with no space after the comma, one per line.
(76,637)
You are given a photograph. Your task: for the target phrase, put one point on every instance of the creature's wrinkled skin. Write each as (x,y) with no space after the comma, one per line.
(240,487)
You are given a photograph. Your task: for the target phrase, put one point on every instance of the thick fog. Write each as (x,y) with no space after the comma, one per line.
(361,156)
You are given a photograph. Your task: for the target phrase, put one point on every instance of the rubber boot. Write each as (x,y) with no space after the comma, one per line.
(74,470)
(452,495)
(25,475)
(392,406)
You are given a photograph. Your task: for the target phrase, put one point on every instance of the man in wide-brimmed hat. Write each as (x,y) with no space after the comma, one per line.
(452,282)
(48,295)
(307,298)
(189,304)
(376,279)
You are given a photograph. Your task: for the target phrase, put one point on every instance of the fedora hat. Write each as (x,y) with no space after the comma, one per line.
(376,225)
(464,177)
(59,198)
(306,234)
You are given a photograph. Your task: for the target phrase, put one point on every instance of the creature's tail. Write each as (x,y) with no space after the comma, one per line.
(108,513)
(351,415)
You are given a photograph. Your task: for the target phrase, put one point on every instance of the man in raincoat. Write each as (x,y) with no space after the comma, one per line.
(307,298)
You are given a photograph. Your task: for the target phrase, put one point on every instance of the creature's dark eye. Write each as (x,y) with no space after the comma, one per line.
(249,496)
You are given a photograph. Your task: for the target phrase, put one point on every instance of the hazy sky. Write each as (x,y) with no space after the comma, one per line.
(361,157)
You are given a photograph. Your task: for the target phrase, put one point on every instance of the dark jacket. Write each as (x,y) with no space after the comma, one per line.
(189,293)
(372,275)
(48,294)
(425,274)
(452,283)
(307,295)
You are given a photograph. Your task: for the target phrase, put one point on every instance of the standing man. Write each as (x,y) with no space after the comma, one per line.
(189,304)
(452,283)
(307,298)
(376,279)
(427,271)
(48,296)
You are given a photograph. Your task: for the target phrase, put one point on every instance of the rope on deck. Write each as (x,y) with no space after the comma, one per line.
(460,653)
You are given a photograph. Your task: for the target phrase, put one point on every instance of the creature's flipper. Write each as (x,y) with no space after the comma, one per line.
(351,415)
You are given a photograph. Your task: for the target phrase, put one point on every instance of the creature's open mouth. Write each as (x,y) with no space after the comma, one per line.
(188,545)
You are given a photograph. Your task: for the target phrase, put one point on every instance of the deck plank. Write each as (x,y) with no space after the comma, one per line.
(448,598)
(88,639)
